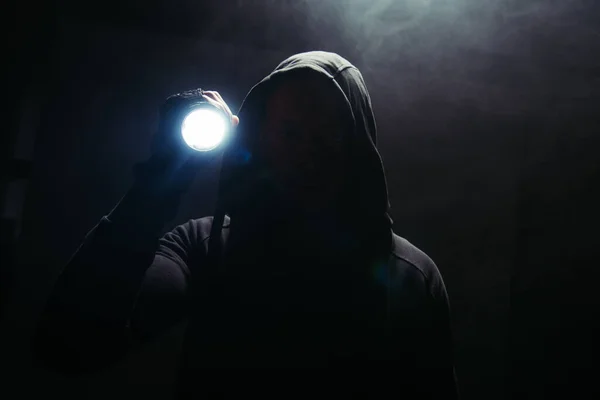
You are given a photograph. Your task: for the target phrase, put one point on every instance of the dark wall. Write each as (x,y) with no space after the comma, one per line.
(490,153)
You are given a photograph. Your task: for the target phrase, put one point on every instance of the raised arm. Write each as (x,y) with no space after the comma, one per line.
(122,284)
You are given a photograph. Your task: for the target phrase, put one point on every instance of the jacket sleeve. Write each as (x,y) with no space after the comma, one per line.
(122,284)
(438,350)
(421,340)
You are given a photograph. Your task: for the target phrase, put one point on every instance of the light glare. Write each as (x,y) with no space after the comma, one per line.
(203,129)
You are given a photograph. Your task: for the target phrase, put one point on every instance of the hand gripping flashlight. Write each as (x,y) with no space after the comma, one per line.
(191,119)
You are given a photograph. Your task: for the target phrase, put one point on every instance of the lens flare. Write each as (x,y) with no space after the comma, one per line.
(204,129)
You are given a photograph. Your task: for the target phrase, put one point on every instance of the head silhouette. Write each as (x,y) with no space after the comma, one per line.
(303,139)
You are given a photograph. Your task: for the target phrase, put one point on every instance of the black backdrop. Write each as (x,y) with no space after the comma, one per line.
(488,127)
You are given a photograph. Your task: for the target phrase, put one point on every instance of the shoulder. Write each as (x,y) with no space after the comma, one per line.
(200,227)
(410,256)
(195,232)
(414,265)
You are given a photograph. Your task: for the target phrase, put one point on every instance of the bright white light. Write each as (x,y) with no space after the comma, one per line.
(203,129)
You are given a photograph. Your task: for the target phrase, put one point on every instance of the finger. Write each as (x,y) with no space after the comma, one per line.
(210,93)
(217,96)
(214,94)
(223,106)
(214,102)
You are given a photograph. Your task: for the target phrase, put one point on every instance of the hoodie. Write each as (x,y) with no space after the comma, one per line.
(259,286)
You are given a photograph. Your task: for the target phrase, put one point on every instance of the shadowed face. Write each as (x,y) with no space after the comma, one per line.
(304,137)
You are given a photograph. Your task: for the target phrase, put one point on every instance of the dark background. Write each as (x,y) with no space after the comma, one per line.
(488,116)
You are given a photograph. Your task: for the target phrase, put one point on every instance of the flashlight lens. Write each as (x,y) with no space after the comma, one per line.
(204,129)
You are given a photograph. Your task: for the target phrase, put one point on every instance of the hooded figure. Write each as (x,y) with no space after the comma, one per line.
(298,267)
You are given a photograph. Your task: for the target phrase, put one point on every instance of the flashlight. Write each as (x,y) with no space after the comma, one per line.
(204,127)
(194,122)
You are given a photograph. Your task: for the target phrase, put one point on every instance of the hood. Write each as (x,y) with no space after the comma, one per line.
(241,174)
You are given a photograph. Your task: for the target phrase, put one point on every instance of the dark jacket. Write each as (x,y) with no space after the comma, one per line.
(344,292)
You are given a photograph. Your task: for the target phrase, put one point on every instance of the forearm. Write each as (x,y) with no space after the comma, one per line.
(104,275)
(85,322)
(87,315)
(439,351)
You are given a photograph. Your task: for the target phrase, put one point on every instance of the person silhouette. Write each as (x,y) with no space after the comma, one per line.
(298,266)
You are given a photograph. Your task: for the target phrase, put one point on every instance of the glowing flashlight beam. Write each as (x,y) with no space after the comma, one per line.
(204,129)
